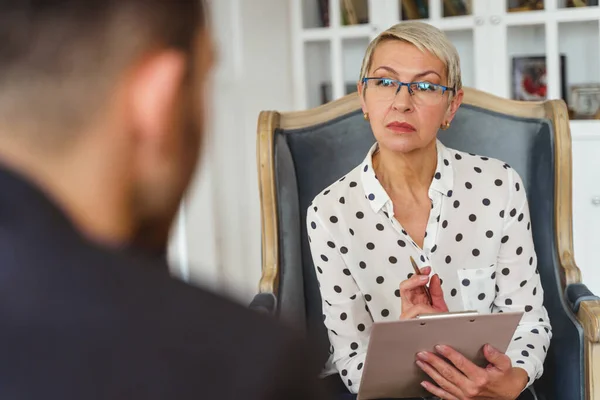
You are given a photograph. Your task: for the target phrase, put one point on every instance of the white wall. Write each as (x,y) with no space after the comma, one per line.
(217,241)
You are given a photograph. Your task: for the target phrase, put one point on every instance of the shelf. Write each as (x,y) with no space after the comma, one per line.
(580,42)
(463,41)
(454,23)
(527,62)
(558,15)
(526,18)
(312,14)
(317,72)
(353,51)
(346,32)
(487,40)
(577,14)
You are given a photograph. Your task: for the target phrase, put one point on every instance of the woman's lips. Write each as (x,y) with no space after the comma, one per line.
(401,127)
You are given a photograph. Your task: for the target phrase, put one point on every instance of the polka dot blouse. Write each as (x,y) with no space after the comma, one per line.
(478,240)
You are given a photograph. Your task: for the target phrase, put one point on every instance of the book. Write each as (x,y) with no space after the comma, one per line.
(349,13)
(410,10)
(324,12)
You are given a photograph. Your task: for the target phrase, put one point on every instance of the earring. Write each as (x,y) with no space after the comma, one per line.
(445,126)
(366,116)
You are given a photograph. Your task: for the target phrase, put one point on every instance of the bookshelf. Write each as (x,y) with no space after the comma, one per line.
(487,35)
(491,36)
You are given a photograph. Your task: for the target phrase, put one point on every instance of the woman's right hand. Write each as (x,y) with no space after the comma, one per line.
(414,299)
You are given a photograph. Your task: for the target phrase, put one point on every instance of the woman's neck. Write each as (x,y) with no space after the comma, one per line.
(398,172)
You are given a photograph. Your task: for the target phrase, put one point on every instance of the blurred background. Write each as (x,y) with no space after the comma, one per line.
(298,54)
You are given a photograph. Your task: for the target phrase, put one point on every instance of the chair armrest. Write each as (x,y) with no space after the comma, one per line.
(265,303)
(586,305)
(578,292)
(589,317)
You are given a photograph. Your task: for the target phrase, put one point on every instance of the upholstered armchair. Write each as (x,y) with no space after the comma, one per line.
(301,153)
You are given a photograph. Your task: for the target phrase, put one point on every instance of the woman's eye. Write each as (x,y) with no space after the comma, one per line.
(385,82)
(425,87)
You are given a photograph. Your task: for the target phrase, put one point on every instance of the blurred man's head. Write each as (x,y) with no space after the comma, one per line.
(101,102)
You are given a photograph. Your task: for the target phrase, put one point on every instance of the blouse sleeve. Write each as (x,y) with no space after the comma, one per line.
(518,285)
(345,311)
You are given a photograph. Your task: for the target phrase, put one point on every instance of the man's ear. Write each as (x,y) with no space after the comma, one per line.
(154,88)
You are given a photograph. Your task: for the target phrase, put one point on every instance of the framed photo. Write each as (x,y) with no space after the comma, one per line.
(529,81)
(585,101)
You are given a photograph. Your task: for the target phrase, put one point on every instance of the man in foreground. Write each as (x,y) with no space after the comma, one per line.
(101,115)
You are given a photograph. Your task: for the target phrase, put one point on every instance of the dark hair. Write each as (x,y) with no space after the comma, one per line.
(59,56)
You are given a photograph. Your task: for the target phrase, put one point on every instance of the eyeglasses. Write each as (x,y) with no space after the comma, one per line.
(422,93)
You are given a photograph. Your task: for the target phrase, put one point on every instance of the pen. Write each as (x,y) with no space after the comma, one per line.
(417,272)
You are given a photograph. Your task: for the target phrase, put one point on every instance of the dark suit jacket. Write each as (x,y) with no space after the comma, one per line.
(80,321)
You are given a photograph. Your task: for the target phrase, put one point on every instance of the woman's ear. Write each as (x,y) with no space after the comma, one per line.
(360,88)
(454,104)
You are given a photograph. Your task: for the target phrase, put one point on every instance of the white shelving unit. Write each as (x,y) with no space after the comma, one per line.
(487,40)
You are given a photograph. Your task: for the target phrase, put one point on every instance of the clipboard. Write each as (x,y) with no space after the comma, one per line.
(390,370)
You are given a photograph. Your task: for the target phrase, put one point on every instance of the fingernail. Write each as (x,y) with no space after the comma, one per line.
(423,278)
(422,355)
(490,349)
(420,364)
(440,348)
(424,384)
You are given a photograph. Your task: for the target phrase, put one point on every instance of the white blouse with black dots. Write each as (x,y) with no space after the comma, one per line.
(478,240)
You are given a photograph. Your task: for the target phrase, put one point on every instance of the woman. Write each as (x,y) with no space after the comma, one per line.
(463,218)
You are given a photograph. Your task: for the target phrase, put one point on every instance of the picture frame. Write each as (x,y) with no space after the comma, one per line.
(585,101)
(529,78)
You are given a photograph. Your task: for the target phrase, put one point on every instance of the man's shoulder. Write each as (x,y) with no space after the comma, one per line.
(191,307)
(128,292)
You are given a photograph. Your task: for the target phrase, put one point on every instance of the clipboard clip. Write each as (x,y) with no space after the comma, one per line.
(469,313)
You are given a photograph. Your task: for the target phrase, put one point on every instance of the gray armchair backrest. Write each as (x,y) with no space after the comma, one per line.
(309,159)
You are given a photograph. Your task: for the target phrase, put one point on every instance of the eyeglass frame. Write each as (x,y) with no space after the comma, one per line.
(407,84)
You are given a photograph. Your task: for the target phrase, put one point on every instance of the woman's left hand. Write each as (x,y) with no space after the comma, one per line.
(462,380)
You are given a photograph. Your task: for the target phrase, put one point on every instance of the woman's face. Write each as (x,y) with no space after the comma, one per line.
(398,124)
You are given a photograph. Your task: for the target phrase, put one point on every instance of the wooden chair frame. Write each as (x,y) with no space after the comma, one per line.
(555,110)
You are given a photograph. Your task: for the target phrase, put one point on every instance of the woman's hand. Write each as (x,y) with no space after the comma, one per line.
(460,379)
(414,299)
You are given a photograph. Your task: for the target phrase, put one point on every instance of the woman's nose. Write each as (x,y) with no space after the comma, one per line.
(403,100)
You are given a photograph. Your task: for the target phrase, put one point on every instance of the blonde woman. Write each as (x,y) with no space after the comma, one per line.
(463,218)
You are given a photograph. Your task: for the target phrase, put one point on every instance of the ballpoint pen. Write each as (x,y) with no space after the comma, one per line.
(418,272)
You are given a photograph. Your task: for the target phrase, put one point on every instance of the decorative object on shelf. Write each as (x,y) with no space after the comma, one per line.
(453,8)
(326,91)
(348,13)
(581,3)
(324,12)
(525,5)
(585,101)
(355,12)
(415,9)
(529,78)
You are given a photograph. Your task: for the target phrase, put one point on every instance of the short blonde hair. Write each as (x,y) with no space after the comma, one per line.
(425,37)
